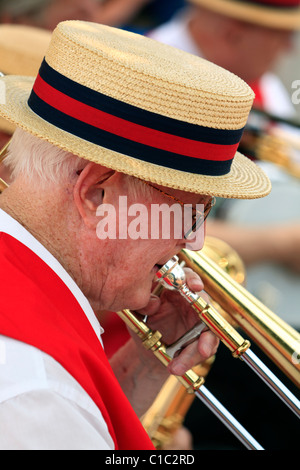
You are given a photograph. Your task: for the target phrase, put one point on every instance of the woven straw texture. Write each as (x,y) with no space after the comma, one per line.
(164,80)
(154,77)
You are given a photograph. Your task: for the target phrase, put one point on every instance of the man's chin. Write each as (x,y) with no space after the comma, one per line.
(139,301)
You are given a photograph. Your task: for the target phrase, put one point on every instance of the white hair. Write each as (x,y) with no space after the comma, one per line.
(40,161)
(43,163)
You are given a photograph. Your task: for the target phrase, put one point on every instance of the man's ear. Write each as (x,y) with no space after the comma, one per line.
(88,191)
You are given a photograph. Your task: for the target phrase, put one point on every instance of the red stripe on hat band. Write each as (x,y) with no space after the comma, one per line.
(129,130)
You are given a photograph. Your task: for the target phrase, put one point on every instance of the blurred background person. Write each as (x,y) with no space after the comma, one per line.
(119,12)
(248,46)
(137,15)
(46,13)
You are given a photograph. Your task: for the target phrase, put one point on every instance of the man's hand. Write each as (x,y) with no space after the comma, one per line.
(173,317)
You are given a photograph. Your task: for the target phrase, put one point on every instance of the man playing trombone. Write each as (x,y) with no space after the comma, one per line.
(111,115)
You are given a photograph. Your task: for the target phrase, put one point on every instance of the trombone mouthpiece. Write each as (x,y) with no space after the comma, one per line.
(171,274)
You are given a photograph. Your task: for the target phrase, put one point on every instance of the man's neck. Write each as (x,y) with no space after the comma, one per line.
(41,214)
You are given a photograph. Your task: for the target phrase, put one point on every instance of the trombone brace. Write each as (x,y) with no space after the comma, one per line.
(152,341)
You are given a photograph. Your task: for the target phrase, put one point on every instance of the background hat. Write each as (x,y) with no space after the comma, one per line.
(281,14)
(22,49)
(139,107)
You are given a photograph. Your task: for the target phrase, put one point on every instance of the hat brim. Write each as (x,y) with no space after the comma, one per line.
(6,126)
(279,18)
(244,181)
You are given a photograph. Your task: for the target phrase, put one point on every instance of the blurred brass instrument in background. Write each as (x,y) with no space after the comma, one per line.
(269,138)
(167,413)
(3,153)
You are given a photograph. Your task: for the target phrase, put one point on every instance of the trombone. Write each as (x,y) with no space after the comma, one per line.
(279,341)
(273,139)
(168,411)
(273,335)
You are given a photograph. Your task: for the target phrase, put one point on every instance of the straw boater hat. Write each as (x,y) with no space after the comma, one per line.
(281,14)
(139,107)
(22,49)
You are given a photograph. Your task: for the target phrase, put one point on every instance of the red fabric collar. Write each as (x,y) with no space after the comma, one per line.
(38,309)
(259,99)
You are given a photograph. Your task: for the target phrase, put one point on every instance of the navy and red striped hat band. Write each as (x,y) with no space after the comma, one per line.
(129,130)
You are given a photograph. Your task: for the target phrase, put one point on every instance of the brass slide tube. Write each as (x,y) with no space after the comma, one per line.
(172,275)
(193,383)
(274,336)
